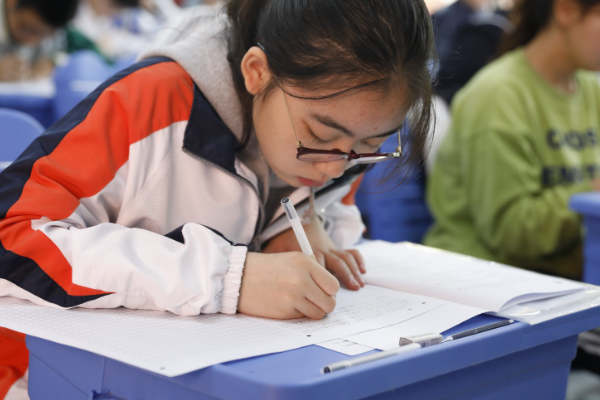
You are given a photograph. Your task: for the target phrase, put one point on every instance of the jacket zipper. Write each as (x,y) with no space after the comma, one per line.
(261,210)
(255,243)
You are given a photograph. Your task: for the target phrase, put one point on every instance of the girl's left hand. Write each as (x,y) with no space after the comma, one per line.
(346,265)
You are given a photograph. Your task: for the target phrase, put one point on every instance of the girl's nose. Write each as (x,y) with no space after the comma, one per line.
(333,169)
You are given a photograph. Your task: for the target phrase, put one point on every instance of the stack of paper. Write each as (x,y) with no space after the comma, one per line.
(413,268)
(469,285)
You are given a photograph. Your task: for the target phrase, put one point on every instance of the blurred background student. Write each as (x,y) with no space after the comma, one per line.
(27,36)
(524,138)
(123,28)
(467,35)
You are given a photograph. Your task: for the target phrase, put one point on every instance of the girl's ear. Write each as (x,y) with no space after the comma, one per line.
(255,69)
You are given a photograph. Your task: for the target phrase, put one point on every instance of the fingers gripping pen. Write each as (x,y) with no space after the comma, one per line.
(290,211)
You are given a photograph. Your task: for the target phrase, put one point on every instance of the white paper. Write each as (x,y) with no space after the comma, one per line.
(453,277)
(172,345)
(437,320)
(345,347)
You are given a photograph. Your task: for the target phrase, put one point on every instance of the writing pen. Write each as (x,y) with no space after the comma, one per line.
(290,211)
(371,357)
(475,331)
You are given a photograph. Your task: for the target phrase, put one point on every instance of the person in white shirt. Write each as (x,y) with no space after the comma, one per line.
(123,28)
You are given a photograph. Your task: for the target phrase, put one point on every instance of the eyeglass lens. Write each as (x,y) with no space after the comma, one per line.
(320,157)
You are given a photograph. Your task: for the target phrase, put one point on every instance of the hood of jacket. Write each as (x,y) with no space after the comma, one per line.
(198,42)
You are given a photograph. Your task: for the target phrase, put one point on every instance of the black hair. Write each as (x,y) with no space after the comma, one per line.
(336,44)
(56,13)
(530,17)
(128,3)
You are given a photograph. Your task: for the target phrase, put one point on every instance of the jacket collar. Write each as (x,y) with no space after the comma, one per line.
(207,136)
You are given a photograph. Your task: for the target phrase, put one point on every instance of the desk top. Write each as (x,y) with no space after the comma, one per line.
(586,203)
(296,374)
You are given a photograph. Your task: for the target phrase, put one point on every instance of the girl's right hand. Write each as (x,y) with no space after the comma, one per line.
(286,286)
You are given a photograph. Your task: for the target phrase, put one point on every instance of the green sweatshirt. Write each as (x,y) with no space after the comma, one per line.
(517,150)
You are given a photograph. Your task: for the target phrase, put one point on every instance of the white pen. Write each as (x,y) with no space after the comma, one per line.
(371,357)
(290,211)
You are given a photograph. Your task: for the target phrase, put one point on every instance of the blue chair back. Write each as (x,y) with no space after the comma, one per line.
(394,214)
(17,131)
(39,106)
(84,72)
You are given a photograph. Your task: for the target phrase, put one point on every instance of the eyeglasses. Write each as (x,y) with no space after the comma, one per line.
(316,155)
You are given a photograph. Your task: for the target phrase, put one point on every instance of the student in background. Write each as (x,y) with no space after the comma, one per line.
(467,34)
(123,28)
(524,139)
(27,30)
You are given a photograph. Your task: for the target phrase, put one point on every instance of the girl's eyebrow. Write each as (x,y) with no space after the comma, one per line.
(330,122)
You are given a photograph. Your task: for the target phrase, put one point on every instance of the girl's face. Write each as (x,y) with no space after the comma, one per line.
(359,121)
(584,39)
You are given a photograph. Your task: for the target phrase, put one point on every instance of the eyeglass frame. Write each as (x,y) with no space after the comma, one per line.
(351,157)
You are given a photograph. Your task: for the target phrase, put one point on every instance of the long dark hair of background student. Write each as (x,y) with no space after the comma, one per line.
(529,18)
(324,44)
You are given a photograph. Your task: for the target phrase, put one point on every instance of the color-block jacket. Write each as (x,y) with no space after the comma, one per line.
(136,198)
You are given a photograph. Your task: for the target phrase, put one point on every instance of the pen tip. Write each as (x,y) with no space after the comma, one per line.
(285,200)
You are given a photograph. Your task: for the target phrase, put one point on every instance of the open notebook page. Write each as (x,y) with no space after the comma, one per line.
(417,269)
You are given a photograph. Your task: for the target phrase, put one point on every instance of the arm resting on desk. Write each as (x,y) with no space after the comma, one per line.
(62,242)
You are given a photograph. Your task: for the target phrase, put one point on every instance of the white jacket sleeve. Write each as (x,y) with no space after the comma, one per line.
(145,270)
(342,222)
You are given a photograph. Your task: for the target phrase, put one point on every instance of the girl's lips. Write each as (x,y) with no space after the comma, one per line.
(310,182)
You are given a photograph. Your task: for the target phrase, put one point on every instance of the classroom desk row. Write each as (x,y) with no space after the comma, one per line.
(588,205)
(513,362)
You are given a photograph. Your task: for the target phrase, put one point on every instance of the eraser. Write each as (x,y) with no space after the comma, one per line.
(425,339)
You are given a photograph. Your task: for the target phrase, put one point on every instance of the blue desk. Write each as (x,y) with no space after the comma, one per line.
(588,204)
(514,362)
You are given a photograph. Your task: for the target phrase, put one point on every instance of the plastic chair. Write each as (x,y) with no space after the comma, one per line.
(398,214)
(39,108)
(17,131)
